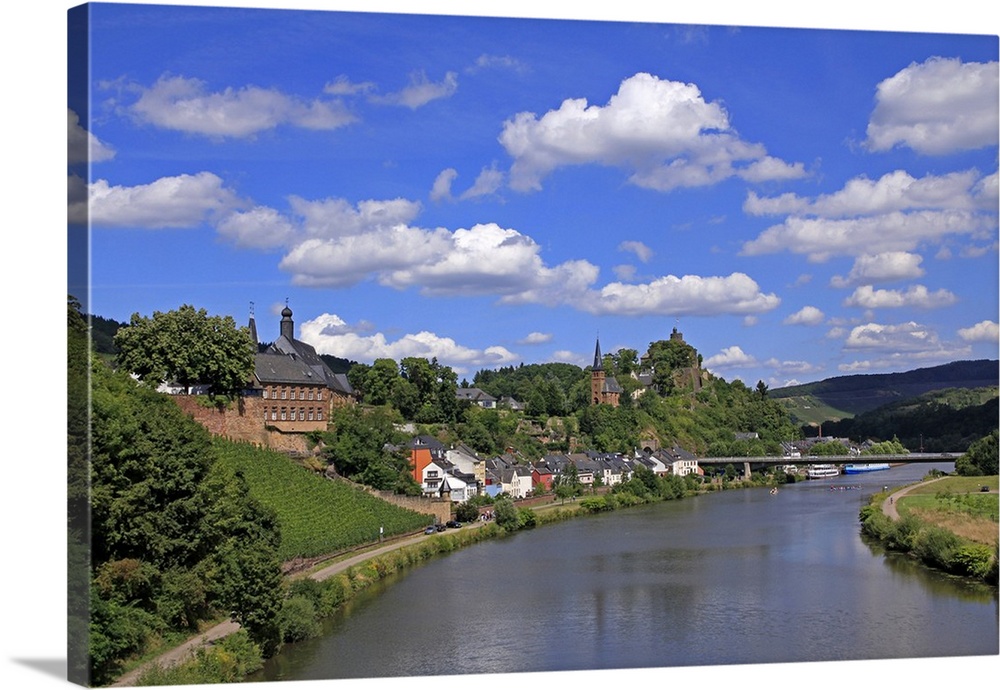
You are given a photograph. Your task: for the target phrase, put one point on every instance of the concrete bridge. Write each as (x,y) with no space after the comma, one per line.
(772,460)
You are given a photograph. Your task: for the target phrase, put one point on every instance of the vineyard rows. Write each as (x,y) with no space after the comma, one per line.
(316,515)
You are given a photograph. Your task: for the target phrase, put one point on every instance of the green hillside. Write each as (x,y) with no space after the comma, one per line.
(943,420)
(846,396)
(808,410)
(316,515)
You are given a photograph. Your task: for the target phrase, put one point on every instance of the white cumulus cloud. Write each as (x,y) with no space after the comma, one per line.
(535,338)
(894,191)
(821,238)
(732,357)
(183,201)
(737,293)
(982,332)
(937,107)
(260,227)
(899,346)
(663,131)
(330,334)
(806,316)
(895,213)
(881,268)
(867,297)
(185,104)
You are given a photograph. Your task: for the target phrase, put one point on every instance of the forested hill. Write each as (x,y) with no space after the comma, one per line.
(851,395)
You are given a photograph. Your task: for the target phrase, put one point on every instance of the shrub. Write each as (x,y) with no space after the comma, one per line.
(594,504)
(975,560)
(298,619)
(936,546)
(525,518)
(466,512)
(229,661)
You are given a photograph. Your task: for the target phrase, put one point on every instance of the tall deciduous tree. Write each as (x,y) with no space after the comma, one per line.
(147,464)
(188,346)
(245,570)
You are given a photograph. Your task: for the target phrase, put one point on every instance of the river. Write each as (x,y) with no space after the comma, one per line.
(735,577)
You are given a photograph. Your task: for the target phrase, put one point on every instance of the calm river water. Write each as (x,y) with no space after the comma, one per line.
(734,577)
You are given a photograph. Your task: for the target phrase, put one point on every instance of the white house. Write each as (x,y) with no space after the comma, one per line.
(477,396)
(516,481)
(441,476)
(678,461)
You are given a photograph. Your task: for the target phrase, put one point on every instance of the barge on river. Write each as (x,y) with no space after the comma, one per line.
(861,468)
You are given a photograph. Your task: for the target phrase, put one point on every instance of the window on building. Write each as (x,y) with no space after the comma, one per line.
(284,414)
(312,393)
(263,393)
(319,395)
(302,414)
(312,414)
(284,393)
(274,413)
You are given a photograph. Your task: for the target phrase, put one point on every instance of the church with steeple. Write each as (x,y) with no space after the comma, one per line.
(604,389)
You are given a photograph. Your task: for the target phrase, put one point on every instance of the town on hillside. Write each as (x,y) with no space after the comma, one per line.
(294,394)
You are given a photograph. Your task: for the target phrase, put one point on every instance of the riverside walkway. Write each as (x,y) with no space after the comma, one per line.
(217,632)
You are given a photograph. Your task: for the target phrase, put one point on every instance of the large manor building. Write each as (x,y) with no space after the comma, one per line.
(298,390)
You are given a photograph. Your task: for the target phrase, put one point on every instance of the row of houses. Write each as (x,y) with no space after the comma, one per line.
(460,473)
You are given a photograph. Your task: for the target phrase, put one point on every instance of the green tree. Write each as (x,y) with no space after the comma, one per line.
(356,446)
(380,379)
(505,513)
(666,356)
(148,461)
(246,573)
(980,459)
(828,448)
(190,347)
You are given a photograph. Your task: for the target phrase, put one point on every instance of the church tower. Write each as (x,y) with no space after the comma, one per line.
(597,377)
(604,389)
(287,325)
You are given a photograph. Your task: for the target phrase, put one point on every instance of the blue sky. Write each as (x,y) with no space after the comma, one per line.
(800,203)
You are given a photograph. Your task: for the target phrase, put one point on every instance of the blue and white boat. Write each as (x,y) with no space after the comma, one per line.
(860,468)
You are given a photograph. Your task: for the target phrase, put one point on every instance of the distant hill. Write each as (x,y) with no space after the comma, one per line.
(942,420)
(847,396)
(102,332)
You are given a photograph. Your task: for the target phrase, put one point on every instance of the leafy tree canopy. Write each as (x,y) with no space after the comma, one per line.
(188,346)
(981,458)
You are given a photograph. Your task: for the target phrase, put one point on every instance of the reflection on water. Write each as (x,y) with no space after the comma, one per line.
(937,582)
(729,578)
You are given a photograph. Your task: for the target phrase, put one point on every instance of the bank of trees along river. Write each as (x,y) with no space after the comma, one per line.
(950,524)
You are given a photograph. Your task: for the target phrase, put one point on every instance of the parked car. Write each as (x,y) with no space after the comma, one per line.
(440,528)
(431,530)
(454,524)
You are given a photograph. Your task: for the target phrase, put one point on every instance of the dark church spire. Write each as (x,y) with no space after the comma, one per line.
(598,360)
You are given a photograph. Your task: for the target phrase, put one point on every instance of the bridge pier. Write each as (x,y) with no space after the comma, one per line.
(746,470)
